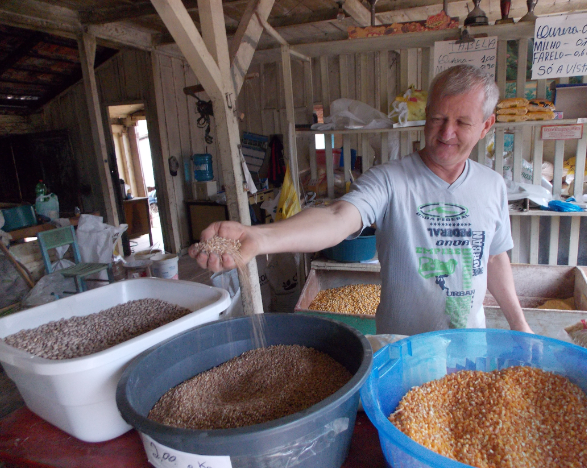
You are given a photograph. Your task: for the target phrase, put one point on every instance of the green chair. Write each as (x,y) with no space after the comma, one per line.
(66,236)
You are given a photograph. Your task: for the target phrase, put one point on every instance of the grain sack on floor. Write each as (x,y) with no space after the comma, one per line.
(258,386)
(81,336)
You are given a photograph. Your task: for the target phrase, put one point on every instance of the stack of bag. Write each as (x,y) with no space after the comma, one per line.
(520,109)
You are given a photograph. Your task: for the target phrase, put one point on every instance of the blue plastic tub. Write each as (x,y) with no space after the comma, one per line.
(356,250)
(416,360)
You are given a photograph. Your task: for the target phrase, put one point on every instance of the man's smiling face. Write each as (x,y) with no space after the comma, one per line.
(454,125)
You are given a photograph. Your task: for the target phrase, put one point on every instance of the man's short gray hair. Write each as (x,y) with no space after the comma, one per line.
(462,79)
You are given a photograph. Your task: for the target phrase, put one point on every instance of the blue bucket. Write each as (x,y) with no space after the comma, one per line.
(429,356)
(359,249)
(203,170)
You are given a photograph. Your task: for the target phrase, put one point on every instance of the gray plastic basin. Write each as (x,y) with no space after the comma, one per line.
(316,437)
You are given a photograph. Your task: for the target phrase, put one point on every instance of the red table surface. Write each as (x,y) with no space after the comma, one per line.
(27,441)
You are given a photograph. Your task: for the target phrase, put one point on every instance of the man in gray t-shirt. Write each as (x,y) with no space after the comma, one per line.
(433,242)
(442,221)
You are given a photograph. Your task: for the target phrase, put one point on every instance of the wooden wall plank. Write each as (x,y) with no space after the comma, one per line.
(344,76)
(559,156)
(553,243)
(502,47)
(574,240)
(534,239)
(515,226)
(309,95)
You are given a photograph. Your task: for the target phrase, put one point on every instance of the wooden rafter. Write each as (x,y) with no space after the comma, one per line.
(358,12)
(87,52)
(208,57)
(137,10)
(246,39)
(124,12)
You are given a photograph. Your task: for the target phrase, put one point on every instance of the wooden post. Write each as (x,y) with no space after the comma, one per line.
(291,146)
(209,59)
(87,53)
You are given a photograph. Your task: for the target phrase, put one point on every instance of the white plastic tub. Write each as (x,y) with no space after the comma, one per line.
(78,395)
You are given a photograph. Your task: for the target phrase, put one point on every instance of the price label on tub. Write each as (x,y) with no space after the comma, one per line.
(161,456)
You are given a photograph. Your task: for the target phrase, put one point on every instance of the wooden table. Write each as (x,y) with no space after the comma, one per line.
(27,441)
(32,231)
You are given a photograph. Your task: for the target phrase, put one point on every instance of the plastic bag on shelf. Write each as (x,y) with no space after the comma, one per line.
(520,191)
(562,206)
(409,107)
(348,114)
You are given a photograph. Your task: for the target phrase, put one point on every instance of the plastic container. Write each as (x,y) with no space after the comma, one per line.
(18,217)
(429,356)
(353,158)
(40,189)
(165,266)
(146,254)
(316,437)
(356,250)
(203,169)
(48,205)
(78,395)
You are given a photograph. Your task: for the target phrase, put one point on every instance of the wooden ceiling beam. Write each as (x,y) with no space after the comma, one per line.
(63,22)
(125,12)
(39,16)
(245,41)
(190,42)
(137,10)
(358,12)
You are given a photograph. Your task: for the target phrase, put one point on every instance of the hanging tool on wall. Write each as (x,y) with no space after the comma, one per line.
(205,109)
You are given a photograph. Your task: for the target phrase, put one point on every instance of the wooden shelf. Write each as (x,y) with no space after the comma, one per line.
(547,213)
(504,125)
(324,264)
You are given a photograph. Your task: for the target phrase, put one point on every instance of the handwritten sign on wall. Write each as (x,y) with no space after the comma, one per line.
(560,46)
(481,53)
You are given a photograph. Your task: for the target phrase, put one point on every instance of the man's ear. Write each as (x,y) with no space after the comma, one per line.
(487,125)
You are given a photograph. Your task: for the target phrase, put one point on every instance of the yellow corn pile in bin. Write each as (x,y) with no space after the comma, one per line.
(353,299)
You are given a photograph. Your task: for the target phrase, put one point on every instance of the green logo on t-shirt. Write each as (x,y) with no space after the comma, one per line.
(442,210)
(430,267)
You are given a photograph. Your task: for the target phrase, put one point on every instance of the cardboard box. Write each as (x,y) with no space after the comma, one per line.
(204,190)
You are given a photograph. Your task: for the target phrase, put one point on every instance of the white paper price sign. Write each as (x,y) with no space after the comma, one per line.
(560,46)
(161,456)
(482,53)
(562,132)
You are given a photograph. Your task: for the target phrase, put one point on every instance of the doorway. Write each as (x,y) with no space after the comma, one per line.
(137,187)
